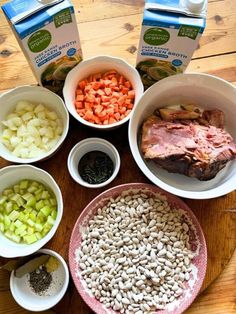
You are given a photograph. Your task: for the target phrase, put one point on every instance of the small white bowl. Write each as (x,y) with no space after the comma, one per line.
(88,145)
(38,95)
(8,177)
(206,91)
(25,297)
(97,65)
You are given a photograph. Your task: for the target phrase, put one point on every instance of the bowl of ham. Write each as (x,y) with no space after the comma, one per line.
(182,135)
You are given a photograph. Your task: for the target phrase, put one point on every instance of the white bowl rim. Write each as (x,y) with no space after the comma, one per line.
(36,245)
(214,192)
(89,141)
(16,159)
(98,58)
(58,296)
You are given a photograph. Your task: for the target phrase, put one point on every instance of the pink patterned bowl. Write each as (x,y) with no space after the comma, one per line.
(197,242)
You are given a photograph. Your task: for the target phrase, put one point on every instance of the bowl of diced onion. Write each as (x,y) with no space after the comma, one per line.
(31,208)
(34,124)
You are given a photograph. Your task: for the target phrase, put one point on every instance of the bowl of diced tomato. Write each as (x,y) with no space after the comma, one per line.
(101,92)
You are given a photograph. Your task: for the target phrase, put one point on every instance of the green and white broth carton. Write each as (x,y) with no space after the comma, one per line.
(171,30)
(47,33)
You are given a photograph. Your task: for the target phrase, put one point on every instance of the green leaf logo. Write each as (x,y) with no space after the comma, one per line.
(39,41)
(156,36)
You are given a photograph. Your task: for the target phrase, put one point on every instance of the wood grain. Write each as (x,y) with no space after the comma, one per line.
(119,36)
(113,27)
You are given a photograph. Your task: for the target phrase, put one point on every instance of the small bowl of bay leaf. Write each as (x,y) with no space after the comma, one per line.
(39,281)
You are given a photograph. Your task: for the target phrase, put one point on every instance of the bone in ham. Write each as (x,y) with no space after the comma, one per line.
(188,147)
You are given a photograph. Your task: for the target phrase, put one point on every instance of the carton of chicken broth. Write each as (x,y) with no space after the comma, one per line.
(47,33)
(170,33)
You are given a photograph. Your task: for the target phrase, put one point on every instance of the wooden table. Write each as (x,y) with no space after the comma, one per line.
(113,27)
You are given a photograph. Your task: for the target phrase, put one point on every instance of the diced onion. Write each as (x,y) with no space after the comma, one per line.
(31,130)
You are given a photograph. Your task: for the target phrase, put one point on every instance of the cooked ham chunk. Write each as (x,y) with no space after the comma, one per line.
(187,147)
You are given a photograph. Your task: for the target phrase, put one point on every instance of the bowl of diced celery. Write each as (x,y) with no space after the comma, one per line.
(31,209)
(34,123)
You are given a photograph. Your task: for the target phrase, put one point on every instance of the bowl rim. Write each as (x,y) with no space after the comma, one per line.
(169,196)
(88,142)
(208,194)
(53,150)
(98,58)
(40,243)
(58,296)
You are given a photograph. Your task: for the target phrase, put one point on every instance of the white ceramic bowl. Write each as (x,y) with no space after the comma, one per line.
(8,177)
(88,145)
(208,92)
(26,298)
(96,65)
(34,94)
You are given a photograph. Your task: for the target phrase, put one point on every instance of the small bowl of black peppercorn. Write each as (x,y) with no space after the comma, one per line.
(93,162)
(40,280)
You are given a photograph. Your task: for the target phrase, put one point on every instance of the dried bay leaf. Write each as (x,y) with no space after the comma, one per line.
(31,265)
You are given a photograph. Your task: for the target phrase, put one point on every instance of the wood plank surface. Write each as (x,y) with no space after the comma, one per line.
(119,36)
(113,27)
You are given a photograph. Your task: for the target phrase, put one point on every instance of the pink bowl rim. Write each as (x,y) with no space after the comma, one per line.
(170,197)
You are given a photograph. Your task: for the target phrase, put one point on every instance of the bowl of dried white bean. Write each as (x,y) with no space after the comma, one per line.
(137,249)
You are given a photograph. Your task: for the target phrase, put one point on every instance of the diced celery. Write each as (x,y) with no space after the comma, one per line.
(30,238)
(24,184)
(32,189)
(15,207)
(54,214)
(2,227)
(15,238)
(39,204)
(3,200)
(21,217)
(20,230)
(38,194)
(38,235)
(18,223)
(46,202)
(14,215)
(12,227)
(30,230)
(33,215)
(45,231)
(6,221)
(30,222)
(45,195)
(28,210)
(7,192)
(46,210)
(41,216)
(16,188)
(36,184)
(27,196)
(9,207)
(31,202)
(50,220)
(38,227)
(8,234)
(53,201)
